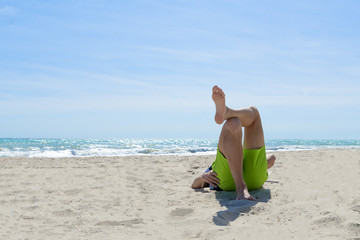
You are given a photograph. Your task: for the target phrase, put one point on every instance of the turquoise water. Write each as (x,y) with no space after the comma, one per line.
(47,147)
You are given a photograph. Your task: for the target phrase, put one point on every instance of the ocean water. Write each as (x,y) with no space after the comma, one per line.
(56,147)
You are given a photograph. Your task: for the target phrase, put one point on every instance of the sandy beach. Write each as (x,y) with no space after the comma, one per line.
(309,195)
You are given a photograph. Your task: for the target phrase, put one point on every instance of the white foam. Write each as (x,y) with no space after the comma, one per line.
(56,148)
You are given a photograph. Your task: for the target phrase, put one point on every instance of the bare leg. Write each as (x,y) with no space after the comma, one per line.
(254,134)
(230,141)
(218,97)
(249,118)
(230,144)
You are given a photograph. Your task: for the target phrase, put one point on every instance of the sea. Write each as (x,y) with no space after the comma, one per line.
(69,147)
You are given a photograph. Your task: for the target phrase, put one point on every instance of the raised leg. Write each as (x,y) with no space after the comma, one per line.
(249,117)
(230,141)
(253,130)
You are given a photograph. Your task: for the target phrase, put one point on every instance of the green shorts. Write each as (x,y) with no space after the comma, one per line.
(254,169)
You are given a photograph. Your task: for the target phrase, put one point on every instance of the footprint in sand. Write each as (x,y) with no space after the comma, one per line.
(354,227)
(180,212)
(356,208)
(126,223)
(334,221)
(72,192)
(64,213)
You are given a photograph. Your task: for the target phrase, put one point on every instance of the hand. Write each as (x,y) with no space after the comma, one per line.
(211,178)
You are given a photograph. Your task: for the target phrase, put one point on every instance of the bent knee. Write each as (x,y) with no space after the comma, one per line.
(232,124)
(255,110)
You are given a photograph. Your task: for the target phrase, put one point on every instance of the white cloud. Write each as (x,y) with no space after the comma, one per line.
(47,80)
(106,103)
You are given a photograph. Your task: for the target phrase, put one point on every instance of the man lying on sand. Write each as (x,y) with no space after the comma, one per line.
(237,166)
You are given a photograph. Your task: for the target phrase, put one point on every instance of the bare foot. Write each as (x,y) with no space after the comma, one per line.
(270,160)
(218,97)
(244,194)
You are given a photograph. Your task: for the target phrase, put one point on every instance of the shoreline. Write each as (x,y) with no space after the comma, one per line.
(309,195)
(58,148)
(179,155)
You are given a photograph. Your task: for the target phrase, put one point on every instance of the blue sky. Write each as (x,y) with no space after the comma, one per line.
(143,69)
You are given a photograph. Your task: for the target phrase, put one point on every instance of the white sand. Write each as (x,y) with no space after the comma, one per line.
(309,195)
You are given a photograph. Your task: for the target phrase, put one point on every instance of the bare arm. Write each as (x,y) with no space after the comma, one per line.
(199,182)
(205,179)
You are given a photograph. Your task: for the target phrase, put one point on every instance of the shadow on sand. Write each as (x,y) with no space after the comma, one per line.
(237,207)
